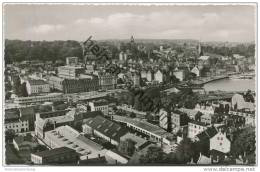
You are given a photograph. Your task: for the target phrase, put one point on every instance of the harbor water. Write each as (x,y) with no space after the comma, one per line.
(231,85)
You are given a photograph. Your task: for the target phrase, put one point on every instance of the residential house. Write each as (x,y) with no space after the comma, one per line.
(220,143)
(149,76)
(195,127)
(178,121)
(14,121)
(179,74)
(196,71)
(158,76)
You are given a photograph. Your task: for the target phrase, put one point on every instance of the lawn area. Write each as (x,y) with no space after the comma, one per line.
(11,155)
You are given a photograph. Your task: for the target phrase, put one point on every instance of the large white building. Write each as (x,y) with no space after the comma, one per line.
(65,136)
(70,72)
(37,86)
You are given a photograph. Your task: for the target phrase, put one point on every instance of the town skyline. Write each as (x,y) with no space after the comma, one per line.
(218,23)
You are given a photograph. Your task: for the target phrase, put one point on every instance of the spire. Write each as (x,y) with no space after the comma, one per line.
(199,49)
(200,52)
(132,39)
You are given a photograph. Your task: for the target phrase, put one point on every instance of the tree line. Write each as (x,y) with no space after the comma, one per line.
(17,50)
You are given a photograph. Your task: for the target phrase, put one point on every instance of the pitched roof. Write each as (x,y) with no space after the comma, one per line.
(107,127)
(208,133)
(198,123)
(53,152)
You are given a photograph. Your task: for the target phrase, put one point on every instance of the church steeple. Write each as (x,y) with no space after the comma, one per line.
(200,52)
(132,39)
(199,49)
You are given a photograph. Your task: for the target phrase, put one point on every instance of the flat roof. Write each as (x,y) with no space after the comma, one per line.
(141,124)
(53,152)
(66,136)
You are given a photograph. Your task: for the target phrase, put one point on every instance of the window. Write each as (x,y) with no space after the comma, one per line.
(220,144)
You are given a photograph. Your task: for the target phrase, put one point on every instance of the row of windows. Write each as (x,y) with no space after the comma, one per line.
(15,125)
(101,108)
(142,131)
(17,130)
(35,99)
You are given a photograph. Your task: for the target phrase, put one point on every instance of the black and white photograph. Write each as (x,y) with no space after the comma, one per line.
(129,84)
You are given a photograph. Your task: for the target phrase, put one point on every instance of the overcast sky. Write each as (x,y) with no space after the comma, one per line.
(77,22)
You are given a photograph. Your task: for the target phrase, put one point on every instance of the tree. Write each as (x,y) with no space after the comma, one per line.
(45,108)
(191,76)
(186,98)
(249,96)
(132,115)
(8,95)
(127,147)
(244,144)
(9,134)
(154,155)
(17,85)
(23,89)
(185,151)
(149,117)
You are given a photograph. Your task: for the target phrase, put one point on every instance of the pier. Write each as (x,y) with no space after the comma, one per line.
(205,80)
